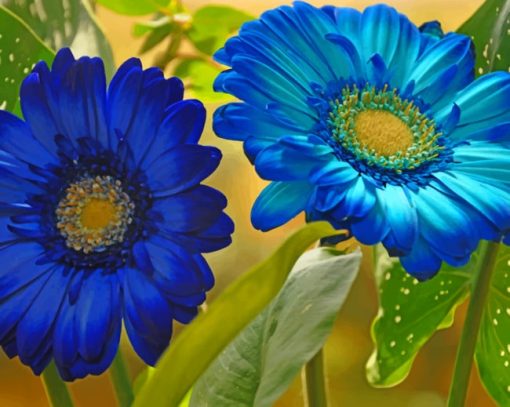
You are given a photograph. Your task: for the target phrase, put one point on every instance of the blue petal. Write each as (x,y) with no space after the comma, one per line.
(183,123)
(123,97)
(279,162)
(372,228)
(147,316)
(191,210)
(491,204)
(94,314)
(13,308)
(357,201)
(334,173)
(19,267)
(402,219)
(477,117)
(443,223)
(436,64)
(147,117)
(239,121)
(486,161)
(214,238)
(182,168)
(39,319)
(16,139)
(176,271)
(281,88)
(315,25)
(82,101)
(280,202)
(421,262)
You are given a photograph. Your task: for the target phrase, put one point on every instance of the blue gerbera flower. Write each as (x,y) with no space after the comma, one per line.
(363,120)
(102,215)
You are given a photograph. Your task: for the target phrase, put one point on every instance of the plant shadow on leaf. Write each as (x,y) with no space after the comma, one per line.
(21,49)
(66,23)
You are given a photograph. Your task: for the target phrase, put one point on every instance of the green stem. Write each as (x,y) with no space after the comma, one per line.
(466,349)
(315,381)
(56,390)
(314,378)
(121,381)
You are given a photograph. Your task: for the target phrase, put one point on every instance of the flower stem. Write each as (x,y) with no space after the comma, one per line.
(466,349)
(121,381)
(56,390)
(315,381)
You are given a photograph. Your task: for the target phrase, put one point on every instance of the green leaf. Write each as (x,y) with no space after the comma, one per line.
(134,7)
(489,28)
(200,76)
(140,29)
(201,342)
(212,25)
(157,35)
(493,347)
(20,49)
(259,365)
(65,23)
(409,314)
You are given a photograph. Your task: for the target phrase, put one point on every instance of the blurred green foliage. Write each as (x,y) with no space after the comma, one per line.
(174,30)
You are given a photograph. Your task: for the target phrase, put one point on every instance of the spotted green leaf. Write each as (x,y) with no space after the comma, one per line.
(65,23)
(20,49)
(212,25)
(202,341)
(199,76)
(259,365)
(489,28)
(493,347)
(134,7)
(409,314)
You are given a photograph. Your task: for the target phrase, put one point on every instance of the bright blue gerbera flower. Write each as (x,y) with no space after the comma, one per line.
(103,217)
(363,120)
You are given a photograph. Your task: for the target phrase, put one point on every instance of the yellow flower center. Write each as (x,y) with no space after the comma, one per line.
(381,129)
(98,214)
(94,213)
(383,132)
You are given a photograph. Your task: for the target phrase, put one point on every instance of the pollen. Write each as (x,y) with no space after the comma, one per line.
(383,132)
(94,213)
(382,129)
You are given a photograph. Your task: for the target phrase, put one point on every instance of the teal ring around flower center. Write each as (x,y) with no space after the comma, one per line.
(383,130)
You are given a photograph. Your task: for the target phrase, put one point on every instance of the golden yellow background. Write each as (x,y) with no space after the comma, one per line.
(350,345)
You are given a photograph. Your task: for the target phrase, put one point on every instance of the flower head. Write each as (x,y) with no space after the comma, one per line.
(103,217)
(366,121)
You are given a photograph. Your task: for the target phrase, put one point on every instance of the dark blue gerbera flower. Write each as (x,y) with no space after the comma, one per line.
(102,215)
(363,120)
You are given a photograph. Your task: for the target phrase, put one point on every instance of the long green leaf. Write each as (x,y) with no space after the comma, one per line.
(20,49)
(489,28)
(65,23)
(493,347)
(263,360)
(201,342)
(409,314)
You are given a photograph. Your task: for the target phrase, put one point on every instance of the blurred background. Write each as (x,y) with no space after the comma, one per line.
(349,347)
